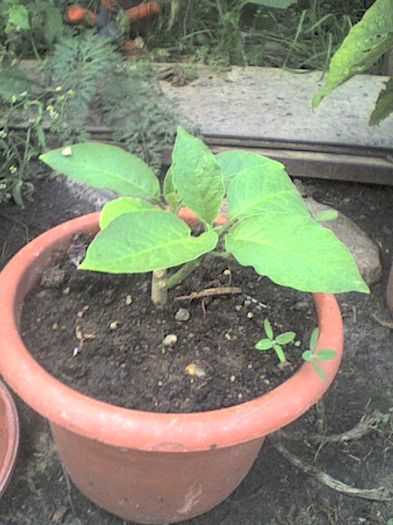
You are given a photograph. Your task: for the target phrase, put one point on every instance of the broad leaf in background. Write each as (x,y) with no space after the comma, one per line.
(145,241)
(196,177)
(18,19)
(105,166)
(47,19)
(365,43)
(120,206)
(259,186)
(13,82)
(295,251)
(279,4)
(384,104)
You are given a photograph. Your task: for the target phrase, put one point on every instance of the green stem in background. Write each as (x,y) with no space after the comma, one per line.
(177,277)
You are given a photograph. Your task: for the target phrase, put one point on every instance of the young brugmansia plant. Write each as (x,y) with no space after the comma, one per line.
(268,225)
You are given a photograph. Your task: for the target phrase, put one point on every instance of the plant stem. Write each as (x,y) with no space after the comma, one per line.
(159,290)
(280,353)
(177,277)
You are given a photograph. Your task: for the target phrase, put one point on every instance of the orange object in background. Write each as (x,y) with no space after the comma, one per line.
(80,15)
(143,11)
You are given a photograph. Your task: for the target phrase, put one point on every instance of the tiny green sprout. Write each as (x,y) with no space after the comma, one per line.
(275,343)
(313,356)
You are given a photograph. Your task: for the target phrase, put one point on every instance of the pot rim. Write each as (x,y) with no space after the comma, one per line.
(122,427)
(12,437)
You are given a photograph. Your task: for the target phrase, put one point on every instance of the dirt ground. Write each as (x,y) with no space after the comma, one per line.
(276,492)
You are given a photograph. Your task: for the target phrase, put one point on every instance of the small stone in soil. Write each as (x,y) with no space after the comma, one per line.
(82,312)
(194,370)
(169,340)
(114,326)
(250,315)
(182,315)
(66,291)
(238,307)
(128,300)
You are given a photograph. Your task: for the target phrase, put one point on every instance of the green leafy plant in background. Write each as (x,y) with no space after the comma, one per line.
(29,28)
(275,343)
(268,227)
(92,74)
(300,35)
(83,76)
(364,45)
(19,146)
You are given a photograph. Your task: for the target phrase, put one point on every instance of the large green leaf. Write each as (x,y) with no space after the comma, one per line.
(238,162)
(120,206)
(365,43)
(145,241)
(197,178)
(257,185)
(384,104)
(295,251)
(105,166)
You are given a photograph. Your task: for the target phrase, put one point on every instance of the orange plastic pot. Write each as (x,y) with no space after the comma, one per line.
(141,466)
(389,291)
(9,436)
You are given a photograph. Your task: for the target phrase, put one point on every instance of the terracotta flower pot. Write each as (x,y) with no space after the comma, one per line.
(141,466)
(9,436)
(389,291)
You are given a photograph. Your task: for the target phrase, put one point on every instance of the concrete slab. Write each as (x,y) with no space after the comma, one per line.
(269,103)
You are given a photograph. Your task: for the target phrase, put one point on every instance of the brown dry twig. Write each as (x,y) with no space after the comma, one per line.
(378,494)
(209,292)
(383,322)
(366,425)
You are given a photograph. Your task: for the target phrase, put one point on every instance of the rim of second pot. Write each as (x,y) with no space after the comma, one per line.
(11,441)
(130,428)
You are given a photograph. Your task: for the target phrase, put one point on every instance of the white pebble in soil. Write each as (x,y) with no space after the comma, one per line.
(169,340)
(182,315)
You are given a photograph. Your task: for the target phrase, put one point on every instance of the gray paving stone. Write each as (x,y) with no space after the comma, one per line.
(272,103)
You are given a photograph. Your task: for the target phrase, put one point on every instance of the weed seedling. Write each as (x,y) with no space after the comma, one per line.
(275,343)
(314,356)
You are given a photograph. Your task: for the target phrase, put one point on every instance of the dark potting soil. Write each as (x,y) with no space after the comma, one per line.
(101,335)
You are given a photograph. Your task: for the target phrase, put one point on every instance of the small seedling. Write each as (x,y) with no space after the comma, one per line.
(275,343)
(313,355)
